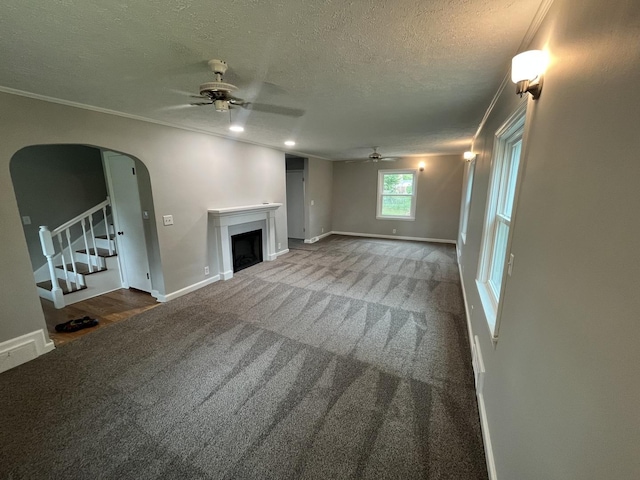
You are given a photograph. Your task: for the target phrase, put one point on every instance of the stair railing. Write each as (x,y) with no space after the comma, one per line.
(63,232)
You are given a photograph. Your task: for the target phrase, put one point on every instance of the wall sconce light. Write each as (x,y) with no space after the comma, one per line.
(527,69)
(421,166)
(469,156)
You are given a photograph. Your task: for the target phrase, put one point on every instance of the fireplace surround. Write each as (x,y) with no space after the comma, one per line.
(237,219)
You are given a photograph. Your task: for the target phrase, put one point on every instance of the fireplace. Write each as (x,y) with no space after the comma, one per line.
(230,221)
(246,249)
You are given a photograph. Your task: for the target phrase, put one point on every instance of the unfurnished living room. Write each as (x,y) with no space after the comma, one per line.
(320,240)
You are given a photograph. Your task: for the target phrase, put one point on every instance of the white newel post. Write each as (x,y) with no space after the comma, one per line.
(48,251)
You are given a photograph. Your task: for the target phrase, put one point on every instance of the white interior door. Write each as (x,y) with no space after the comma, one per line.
(127,217)
(295,204)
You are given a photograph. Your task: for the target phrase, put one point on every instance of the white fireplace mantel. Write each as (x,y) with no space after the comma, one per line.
(223,218)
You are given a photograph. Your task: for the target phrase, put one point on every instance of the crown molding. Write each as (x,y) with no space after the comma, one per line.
(106,111)
(538,18)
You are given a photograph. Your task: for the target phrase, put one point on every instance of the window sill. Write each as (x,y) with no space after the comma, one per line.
(411,219)
(489,307)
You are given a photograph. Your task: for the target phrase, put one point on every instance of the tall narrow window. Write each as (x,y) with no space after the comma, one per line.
(495,236)
(397,192)
(468,188)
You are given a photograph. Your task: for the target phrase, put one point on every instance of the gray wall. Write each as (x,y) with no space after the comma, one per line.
(319,188)
(189,173)
(438,203)
(561,390)
(53,184)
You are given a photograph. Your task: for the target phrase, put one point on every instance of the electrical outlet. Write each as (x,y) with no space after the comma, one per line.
(312,203)
(145,215)
(322,231)
(167,220)
(279,246)
(206,270)
(26,220)
(394,230)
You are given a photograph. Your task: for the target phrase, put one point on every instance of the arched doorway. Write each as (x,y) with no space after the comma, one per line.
(72,190)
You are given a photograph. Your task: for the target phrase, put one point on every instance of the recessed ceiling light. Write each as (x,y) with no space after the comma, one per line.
(236,128)
(289,143)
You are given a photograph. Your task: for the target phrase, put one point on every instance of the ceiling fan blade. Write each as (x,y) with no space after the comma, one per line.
(388,159)
(199,96)
(198,104)
(262,107)
(236,101)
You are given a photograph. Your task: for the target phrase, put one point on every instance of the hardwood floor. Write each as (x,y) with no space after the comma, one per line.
(109,308)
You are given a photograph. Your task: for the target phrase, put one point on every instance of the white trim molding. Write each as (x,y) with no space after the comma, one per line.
(396,237)
(319,237)
(282,252)
(23,349)
(479,373)
(183,291)
(223,218)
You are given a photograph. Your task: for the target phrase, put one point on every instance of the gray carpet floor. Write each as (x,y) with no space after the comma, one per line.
(343,359)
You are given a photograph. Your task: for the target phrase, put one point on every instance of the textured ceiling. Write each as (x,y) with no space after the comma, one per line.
(412,76)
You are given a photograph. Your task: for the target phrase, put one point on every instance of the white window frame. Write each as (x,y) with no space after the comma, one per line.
(510,134)
(413,195)
(466,206)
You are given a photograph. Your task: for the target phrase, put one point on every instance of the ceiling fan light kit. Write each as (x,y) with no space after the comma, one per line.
(220,94)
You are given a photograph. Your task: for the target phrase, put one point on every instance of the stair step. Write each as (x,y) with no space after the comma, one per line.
(104,237)
(102,252)
(63,285)
(82,268)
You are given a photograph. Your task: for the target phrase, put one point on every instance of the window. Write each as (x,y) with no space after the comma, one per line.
(397,192)
(500,208)
(468,187)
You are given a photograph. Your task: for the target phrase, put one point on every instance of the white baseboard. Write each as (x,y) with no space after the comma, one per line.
(476,357)
(282,252)
(396,237)
(22,349)
(185,290)
(486,438)
(466,305)
(319,237)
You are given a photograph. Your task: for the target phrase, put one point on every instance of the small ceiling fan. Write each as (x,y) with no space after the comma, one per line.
(220,94)
(373,157)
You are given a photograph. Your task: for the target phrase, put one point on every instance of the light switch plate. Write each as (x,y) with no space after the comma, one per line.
(167,220)
(145,215)
(312,203)
(26,220)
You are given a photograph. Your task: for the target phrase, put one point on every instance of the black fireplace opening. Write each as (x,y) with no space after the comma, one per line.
(246,249)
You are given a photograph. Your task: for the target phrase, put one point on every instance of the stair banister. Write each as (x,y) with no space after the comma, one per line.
(77,218)
(106,228)
(83,222)
(48,251)
(64,262)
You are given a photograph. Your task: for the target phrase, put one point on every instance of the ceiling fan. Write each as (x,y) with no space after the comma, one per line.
(221,95)
(374,157)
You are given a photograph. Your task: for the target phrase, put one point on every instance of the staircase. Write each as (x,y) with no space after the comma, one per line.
(71,260)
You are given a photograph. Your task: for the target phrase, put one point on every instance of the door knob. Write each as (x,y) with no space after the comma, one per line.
(120,233)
